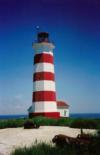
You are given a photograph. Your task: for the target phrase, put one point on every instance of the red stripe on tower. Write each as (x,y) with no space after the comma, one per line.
(43,76)
(43,57)
(44,96)
(45,114)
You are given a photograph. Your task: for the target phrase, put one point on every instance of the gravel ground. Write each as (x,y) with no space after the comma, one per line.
(11,138)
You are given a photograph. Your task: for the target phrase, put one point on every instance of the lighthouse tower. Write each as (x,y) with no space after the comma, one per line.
(44,91)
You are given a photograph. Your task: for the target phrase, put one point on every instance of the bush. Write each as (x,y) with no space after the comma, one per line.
(53,122)
(84,123)
(98,133)
(11,123)
(71,122)
(29,124)
(37,120)
(64,121)
(45,121)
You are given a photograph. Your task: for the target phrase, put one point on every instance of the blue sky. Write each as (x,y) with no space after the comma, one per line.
(74,26)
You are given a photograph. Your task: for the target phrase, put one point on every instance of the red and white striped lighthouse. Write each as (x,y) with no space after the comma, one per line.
(44,91)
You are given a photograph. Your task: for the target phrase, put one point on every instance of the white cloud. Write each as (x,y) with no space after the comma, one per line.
(19,96)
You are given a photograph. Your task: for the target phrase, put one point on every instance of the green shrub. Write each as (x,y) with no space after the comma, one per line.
(72,122)
(53,122)
(84,123)
(11,123)
(98,133)
(64,121)
(30,124)
(45,121)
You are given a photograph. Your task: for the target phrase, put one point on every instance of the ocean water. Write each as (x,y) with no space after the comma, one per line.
(72,115)
(85,115)
(13,116)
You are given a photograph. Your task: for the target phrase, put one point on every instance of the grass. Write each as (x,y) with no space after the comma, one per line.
(44,149)
(48,149)
(53,122)
(11,123)
(43,121)
(86,123)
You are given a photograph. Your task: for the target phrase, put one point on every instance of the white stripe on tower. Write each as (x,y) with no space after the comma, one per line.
(43,106)
(49,52)
(44,67)
(44,85)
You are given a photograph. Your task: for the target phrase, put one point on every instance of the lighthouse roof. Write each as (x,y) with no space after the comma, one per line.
(62,104)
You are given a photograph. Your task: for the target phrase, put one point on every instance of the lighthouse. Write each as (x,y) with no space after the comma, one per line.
(44,91)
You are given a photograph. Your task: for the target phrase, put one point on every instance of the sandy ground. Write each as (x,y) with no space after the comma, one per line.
(18,137)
